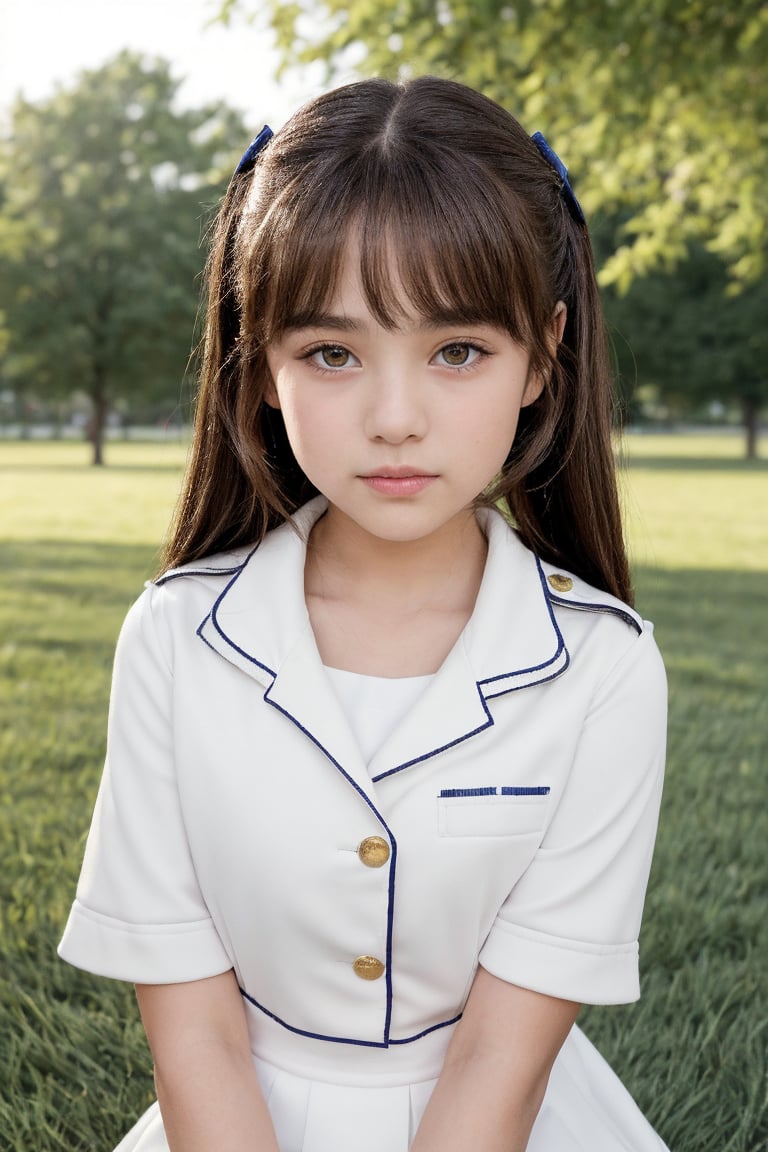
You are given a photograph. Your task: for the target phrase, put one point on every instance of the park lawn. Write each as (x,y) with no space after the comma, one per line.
(76,544)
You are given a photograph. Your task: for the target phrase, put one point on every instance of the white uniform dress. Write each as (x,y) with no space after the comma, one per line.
(308,828)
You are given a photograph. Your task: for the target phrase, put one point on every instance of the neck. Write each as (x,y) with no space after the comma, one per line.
(442,570)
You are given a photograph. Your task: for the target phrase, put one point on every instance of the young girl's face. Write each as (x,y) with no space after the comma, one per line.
(401,429)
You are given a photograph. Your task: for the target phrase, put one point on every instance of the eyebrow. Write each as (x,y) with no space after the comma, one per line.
(341,323)
(323,320)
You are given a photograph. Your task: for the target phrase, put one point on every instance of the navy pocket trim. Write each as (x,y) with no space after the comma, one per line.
(538,791)
(542,790)
(469,792)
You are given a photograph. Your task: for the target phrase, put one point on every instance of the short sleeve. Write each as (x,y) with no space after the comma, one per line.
(139,914)
(570,926)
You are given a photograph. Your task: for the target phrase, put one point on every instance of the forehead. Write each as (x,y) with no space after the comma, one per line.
(426,249)
(383,282)
(347,296)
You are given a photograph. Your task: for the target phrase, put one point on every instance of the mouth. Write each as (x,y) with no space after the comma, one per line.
(402,472)
(401,481)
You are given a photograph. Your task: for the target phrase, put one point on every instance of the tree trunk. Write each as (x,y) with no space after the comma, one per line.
(750,411)
(96,425)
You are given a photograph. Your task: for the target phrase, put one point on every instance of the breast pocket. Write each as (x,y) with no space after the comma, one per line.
(504,811)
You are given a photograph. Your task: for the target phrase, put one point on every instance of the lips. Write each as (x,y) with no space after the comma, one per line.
(400,481)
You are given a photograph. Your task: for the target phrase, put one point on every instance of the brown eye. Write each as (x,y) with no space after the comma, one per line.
(456,355)
(334,357)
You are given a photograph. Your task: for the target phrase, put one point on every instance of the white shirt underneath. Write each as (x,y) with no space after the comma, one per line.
(375,705)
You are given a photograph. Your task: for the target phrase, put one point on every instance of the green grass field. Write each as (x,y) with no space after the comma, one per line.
(75,546)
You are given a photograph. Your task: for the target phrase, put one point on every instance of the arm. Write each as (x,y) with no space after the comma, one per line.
(206,1082)
(496,1069)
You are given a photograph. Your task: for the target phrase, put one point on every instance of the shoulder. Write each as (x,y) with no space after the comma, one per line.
(174,603)
(209,569)
(282,547)
(606,634)
(180,597)
(533,621)
(538,584)
(568,591)
(512,564)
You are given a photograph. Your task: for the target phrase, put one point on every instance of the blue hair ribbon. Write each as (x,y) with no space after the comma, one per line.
(555,162)
(248,157)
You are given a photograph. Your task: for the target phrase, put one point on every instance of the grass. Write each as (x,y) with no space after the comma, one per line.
(51,492)
(693,502)
(75,545)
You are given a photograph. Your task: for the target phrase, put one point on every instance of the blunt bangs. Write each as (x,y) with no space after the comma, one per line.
(437,234)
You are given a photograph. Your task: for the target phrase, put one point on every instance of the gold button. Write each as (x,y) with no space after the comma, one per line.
(559,582)
(368,967)
(373,851)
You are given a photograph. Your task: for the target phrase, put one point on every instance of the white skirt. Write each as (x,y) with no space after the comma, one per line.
(586,1109)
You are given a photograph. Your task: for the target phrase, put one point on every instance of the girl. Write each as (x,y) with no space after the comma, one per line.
(386,737)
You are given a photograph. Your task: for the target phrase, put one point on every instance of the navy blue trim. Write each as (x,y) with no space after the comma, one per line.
(468,791)
(313,1035)
(511,790)
(393,844)
(346,1039)
(443,747)
(505,676)
(585,606)
(534,683)
(532,791)
(535,667)
(176,574)
(222,633)
(433,1028)
(199,633)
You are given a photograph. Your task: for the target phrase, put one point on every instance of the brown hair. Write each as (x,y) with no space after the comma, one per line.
(451,182)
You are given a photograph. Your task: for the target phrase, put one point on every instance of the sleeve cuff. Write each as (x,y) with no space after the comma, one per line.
(142,953)
(569,969)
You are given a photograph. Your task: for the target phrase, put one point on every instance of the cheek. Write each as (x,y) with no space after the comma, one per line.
(492,430)
(312,432)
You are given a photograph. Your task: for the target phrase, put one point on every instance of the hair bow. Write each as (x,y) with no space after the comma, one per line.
(249,156)
(555,162)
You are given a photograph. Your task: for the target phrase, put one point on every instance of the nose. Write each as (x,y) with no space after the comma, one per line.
(397,406)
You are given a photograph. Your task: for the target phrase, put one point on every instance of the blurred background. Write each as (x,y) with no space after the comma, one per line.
(120,123)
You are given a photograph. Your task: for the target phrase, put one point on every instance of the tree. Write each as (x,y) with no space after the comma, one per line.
(660,106)
(684,332)
(104,193)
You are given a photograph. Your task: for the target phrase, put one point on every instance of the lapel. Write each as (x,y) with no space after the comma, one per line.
(260,624)
(303,692)
(512,641)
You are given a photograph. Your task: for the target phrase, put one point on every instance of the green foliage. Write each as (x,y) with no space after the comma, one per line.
(660,108)
(661,112)
(106,188)
(688,334)
(73,1063)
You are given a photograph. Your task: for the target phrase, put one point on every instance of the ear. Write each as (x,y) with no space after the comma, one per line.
(534,386)
(557,324)
(271,397)
(536,380)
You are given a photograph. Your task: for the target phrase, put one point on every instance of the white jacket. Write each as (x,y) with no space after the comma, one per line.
(514,808)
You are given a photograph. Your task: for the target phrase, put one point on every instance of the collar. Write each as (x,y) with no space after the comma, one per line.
(259,623)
